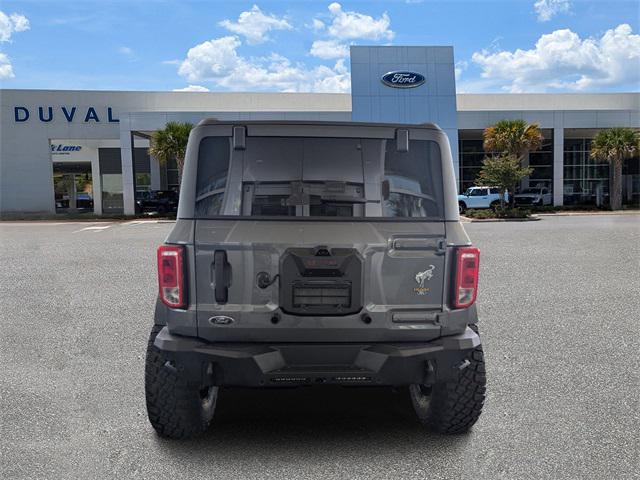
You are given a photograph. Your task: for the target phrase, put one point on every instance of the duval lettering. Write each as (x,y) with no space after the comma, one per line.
(48,114)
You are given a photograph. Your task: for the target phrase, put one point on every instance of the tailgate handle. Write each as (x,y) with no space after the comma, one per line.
(222,276)
(420,244)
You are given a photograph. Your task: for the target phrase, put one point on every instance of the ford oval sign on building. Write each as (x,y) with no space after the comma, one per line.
(401,79)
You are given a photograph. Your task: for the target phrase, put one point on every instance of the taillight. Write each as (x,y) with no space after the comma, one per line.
(467,270)
(171,275)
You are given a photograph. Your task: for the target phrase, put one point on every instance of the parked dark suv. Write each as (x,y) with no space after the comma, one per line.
(157,201)
(316,253)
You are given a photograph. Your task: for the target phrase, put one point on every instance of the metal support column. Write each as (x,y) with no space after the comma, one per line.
(558,166)
(128,180)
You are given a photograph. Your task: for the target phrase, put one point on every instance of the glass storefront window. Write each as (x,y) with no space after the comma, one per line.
(111,176)
(541,161)
(472,154)
(143,182)
(172,179)
(112,200)
(586,181)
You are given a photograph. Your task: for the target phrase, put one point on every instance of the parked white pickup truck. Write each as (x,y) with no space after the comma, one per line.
(480,197)
(534,196)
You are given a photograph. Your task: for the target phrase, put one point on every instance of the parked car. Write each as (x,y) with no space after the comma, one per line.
(534,196)
(84,200)
(480,197)
(157,201)
(354,270)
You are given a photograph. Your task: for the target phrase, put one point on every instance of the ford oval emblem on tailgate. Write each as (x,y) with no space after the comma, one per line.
(402,79)
(221,320)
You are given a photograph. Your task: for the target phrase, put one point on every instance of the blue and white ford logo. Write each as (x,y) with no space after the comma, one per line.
(403,79)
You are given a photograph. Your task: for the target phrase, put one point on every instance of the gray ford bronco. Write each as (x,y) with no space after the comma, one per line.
(310,253)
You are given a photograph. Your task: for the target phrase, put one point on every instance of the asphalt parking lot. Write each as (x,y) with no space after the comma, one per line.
(560,308)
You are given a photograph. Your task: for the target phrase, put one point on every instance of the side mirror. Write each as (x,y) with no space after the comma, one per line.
(386,190)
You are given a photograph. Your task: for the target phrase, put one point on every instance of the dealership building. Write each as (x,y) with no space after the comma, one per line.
(64,151)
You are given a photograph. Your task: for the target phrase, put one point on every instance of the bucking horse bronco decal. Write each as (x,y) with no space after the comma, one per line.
(426,275)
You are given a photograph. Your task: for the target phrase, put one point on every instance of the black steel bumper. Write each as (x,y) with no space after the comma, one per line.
(263,365)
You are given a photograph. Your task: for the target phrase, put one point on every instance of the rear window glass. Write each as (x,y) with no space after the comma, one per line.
(343,178)
(213,168)
(414,180)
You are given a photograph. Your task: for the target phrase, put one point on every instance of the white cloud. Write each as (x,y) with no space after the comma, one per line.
(351,25)
(6,70)
(10,24)
(317,25)
(255,24)
(192,88)
(127,51)
(210,60)
(561,60)
(218,61)
(329,49)
(346,25)
(547,9)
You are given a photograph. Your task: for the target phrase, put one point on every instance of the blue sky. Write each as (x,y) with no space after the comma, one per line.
(500,46)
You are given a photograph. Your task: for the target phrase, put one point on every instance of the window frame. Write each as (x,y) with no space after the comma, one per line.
(446,184)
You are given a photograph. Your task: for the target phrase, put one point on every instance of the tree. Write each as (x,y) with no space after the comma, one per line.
(615,145)
(514,139)
(170,143)
(504,172)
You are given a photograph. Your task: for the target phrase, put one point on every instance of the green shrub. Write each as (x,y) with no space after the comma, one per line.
(498,213)
(515,213)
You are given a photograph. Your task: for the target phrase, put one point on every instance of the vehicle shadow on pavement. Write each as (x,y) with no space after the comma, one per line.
(314,421)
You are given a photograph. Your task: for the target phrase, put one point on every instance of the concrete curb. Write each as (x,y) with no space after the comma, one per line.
(577,214)
(533,218)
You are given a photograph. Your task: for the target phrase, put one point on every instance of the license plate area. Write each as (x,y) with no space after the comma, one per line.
(322,295)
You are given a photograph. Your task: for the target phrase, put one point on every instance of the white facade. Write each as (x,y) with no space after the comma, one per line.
(103,122)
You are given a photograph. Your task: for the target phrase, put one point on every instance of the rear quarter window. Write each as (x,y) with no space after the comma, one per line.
(213,168)
(414,179)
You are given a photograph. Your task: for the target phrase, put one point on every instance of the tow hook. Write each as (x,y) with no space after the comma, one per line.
(169,366)
(430,375)
(462,365)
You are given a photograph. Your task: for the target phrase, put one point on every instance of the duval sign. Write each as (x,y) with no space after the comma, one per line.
(403,79)
(47,114)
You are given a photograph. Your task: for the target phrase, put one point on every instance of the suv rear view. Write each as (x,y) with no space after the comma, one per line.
(316,253)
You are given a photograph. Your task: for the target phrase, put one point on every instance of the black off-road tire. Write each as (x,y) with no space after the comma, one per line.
(176,409)
(495,205)
(462,207)
(453,407)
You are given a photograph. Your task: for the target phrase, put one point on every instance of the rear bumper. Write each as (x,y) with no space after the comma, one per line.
(263,365)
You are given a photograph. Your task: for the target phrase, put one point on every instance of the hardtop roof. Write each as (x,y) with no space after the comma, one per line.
(328,123)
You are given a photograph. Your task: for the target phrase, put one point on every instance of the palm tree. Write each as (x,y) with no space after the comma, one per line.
(514,139)
(170,143)
(615,145)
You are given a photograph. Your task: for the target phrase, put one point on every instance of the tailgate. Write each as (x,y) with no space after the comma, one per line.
(382,281)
